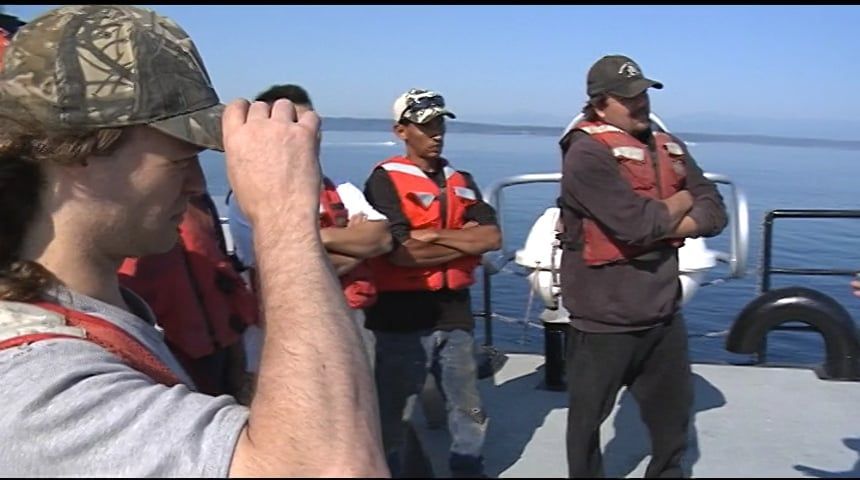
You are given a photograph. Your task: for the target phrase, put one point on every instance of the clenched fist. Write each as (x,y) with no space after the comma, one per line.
(273,160)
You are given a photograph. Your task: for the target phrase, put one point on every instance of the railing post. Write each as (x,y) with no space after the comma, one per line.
(488,310)
(766,257)
(765,275)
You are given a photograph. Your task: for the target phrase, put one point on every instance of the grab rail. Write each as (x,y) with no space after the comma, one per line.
(767,244)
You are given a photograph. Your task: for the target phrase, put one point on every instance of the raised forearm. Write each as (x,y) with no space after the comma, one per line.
(315,399)
(471,241)
(365,240)
(415,253)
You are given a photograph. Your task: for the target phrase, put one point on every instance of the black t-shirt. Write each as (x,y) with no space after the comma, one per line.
(410,311)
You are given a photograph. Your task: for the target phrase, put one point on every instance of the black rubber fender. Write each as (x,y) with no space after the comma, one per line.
(804,305)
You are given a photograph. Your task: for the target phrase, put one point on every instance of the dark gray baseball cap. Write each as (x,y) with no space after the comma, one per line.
(618,75)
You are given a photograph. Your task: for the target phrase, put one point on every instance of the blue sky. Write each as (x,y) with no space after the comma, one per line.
(724,67)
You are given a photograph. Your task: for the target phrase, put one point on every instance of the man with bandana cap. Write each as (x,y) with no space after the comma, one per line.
(422,319)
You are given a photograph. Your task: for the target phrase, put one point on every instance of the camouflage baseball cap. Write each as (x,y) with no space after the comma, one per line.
(420,106)
(108,66)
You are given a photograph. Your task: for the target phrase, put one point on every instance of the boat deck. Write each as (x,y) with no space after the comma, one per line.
(747,422)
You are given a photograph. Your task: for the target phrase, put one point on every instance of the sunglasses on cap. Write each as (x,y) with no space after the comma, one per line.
(422,103)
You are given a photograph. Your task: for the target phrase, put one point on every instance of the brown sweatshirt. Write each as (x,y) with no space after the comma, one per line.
(635,295)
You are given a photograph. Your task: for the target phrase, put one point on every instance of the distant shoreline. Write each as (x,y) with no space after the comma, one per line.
(381,125)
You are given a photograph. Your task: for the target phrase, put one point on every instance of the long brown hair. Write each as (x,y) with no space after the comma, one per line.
(589,114)
(24,149)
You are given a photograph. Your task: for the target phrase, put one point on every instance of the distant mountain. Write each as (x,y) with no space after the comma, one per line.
(788,126)
(383,125)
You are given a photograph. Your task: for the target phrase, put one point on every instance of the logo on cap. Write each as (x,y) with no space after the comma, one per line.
(629,70)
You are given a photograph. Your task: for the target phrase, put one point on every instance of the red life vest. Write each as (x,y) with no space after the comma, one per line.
(9,25)
(358,285)
(103,333)
(421,204)
(199,299)
(658,178)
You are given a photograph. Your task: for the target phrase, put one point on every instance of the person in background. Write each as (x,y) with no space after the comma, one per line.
(629,196)
(423,318)
(351,229)
(8,26)
(200,300)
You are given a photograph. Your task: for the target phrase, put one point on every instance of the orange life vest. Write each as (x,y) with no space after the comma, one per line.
(358,285)
(421,203)
(104,333)
(4,42)
(657,178)
(198,297)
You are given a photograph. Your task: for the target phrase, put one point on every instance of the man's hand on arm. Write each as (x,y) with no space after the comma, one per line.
(707,216)
(343,264)
(473,239)
(592,182)
(426,247)
(687,228)
(360,238)
(416,253)
(679,205)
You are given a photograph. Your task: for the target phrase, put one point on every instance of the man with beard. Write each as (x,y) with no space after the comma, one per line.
(629,196)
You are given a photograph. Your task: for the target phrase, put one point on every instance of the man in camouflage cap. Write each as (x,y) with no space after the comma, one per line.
(103,111)
(128,66)
(420,106)
(422,318)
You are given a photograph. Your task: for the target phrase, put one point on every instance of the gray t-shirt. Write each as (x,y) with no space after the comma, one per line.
(71,408)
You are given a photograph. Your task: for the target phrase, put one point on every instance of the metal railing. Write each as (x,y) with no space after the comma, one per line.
(767,259)
(767,243)
(493,262)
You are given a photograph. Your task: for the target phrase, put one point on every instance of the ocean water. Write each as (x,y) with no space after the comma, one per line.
(771,177)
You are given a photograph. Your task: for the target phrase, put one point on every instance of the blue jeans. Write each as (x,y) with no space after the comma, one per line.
(403,361)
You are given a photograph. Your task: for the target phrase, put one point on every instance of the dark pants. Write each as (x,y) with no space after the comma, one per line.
(654,364)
